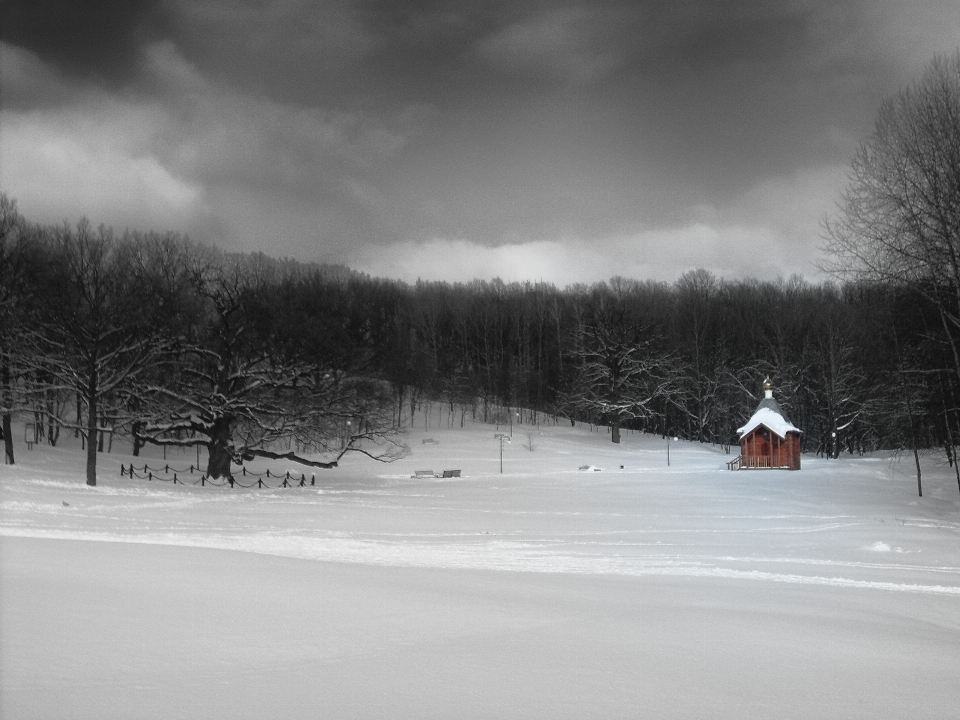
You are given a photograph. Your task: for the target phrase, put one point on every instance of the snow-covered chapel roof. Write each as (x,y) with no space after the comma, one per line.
(770,414)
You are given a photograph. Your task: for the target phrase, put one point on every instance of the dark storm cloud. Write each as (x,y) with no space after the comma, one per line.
(95,37)
(338,52)
(295,49)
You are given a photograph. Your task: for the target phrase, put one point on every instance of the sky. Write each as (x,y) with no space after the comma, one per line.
(526,140)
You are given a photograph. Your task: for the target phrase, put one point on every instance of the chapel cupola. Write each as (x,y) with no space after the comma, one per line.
(768,388)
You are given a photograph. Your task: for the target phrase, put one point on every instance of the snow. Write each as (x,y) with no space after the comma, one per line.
(772,420)
(542,592)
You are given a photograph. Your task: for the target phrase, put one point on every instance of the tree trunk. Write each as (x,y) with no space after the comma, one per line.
(916,458)
(615,430)
(913,436)
(7,439)
(8,402)
(951,443)
(401,391)
(92,429)
(218,464)
(138,439)
(53,430)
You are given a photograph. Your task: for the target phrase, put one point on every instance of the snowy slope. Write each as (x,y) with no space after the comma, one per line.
(632,589)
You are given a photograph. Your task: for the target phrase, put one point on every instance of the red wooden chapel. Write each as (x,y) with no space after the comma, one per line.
(768,440)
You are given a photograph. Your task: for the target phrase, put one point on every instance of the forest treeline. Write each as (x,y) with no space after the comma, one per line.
(163,340)
(175,343)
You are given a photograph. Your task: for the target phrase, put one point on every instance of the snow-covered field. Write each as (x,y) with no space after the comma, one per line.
(633,590)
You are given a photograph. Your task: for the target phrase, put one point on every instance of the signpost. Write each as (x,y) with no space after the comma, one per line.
(501,437)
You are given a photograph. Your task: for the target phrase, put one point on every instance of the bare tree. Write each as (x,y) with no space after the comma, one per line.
(95,334)
(622,373)
(250,383)
(839,385)
(19,260)
(701,350)
(899,219)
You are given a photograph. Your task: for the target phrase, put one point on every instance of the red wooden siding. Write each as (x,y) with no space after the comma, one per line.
(763,448)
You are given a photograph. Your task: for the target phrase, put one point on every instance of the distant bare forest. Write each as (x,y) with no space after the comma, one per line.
(162,340)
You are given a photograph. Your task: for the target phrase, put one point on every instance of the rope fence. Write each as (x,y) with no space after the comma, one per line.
(163,475)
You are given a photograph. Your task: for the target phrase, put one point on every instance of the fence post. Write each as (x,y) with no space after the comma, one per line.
(313,479)
(202,479)
(174,478)
(149,476)
(230,480)
(259,482)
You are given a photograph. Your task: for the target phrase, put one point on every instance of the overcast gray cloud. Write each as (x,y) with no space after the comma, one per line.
(568,45)
(557,141)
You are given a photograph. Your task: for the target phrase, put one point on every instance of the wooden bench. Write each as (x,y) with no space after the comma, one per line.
(432,474)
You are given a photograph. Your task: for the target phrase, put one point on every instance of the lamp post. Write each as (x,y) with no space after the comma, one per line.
(501,437)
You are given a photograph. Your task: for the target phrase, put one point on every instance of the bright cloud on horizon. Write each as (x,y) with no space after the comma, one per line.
(786,241)
(652,255)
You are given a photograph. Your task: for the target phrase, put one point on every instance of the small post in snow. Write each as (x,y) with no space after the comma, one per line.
(675,439)
(501,437)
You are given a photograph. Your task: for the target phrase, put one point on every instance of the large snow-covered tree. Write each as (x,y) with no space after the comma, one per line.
(252,380)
